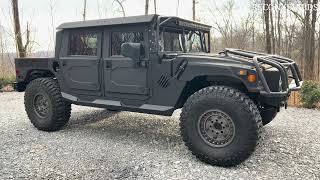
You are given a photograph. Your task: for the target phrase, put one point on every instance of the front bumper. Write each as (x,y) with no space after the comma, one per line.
(292,87)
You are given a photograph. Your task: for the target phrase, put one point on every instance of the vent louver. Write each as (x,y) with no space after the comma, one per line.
(163,81)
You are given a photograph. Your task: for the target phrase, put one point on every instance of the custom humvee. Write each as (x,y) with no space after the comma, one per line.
(157,64)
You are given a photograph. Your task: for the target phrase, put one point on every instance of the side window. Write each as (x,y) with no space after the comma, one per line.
(83,43)
(118,38)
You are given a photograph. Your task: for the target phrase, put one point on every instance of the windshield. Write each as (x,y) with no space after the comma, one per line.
(187,41)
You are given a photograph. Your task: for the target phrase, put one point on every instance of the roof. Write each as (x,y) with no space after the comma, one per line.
(129,20)
(108,22)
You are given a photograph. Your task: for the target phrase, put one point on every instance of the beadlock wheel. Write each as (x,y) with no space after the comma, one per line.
(45,107)
(216,128)
(220,125)
(41,105)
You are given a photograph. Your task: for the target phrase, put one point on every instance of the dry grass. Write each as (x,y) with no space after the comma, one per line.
(7,77)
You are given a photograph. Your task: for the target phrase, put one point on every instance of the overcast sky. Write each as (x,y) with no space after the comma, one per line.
(38,13)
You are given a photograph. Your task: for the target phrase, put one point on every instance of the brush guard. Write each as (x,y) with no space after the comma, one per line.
(282,64)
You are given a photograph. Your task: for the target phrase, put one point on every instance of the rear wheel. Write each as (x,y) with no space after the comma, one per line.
(220,125)
(45,107)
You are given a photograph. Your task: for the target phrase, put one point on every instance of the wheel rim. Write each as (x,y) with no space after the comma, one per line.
(216,128)
(41,105)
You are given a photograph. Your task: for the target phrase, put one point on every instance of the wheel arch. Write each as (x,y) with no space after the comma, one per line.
(201,82)
(32,75)
(38,73)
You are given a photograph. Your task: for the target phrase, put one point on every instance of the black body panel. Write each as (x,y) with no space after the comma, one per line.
(91,70)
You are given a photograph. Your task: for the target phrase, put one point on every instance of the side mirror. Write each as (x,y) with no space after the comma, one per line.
(132,50)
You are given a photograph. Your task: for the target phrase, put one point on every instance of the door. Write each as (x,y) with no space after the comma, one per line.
(80,61)
(122,74)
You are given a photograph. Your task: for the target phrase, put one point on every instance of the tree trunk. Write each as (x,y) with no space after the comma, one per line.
(272,32)
(253,35)
(177,9)
(194,10)
(146,7)
(267,24)
(318,69)
(312,40)
(17,29)
(279,30)
(309,39)
(84,9)
(122,8)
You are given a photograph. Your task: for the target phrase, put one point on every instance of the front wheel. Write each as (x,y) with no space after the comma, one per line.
(220,125)
(46,108)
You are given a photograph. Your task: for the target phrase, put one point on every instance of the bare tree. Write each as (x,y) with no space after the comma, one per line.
(22,49)
(309,61)
(177,9)
(223,26)
(279,29)
(273,46)
(84,9)
(121,6)
(194,10)
(267,24)
(318,68)
(146,9)
(52,26)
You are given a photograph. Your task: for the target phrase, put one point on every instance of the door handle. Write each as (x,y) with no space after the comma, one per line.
(108,64)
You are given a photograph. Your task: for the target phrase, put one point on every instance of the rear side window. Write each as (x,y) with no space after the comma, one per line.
(83,44)
(118,38)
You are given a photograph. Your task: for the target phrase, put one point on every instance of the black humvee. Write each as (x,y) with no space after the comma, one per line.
(157,64)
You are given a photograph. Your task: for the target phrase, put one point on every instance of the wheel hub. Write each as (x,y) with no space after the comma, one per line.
(41,105)
(216,128)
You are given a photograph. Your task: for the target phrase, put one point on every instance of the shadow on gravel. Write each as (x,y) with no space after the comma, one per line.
(136,126)
(89,118)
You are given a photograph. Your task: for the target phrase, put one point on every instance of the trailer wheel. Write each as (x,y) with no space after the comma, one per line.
(220,125)
(45,107)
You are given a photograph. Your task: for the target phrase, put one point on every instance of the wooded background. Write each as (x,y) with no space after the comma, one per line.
(285,27)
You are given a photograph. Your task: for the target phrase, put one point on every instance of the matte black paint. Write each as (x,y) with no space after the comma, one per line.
(155,84)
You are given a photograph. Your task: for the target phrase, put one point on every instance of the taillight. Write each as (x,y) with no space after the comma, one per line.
(17,72)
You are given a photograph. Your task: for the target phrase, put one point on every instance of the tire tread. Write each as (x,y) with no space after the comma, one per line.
(243,99)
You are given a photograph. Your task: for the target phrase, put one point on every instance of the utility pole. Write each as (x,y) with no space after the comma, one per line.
(155,6)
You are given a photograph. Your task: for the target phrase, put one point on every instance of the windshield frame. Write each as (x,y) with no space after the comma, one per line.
(183,25)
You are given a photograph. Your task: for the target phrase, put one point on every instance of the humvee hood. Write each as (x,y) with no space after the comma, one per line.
(217,59)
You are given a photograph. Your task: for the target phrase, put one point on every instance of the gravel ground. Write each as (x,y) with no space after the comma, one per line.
(97,144)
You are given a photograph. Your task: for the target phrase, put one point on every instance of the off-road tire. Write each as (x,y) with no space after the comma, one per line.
(58,111)
(268,115)
(242,111)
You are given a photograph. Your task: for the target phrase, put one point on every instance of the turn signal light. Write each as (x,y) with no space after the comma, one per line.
(242,72)
(252,78)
